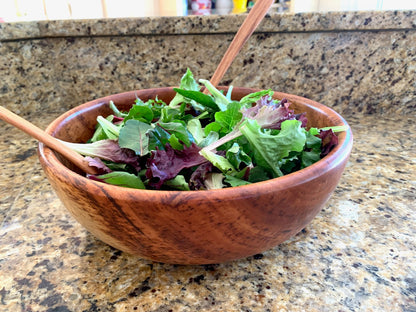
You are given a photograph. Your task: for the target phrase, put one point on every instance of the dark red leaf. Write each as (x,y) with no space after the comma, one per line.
(197,180)
(329,141)
(166,164)
(270,115)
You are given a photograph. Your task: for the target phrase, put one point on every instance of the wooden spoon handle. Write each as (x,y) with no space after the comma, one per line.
(46,139)
(253,19)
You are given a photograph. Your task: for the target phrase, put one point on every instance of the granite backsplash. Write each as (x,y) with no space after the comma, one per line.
(355,62)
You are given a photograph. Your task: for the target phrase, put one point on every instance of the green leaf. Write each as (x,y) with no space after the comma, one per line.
(309,158)
(195,128)
(236,156)
(178,183)
(313,154)
(209,139)
(175,143)
(99,133)
(134,136)
(290,163)
(230,117)
(212,127)
(140,112)
(158,137)
(269,149)
(220,99)
(233,181)
(313,141)
(335,128)
(115,110)
(168,114)
(179,130)
(111,130)
(218,161)
(188,83)
(251,98)
(121,178)
(199,97)
(258,174)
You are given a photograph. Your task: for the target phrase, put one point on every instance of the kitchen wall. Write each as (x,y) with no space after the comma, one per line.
(354,62)
(30,10)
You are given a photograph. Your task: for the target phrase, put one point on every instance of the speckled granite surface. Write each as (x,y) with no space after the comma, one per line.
(358,254)
(350,61)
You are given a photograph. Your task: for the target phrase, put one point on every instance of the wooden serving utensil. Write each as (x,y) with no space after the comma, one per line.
(246,29)
(46,139)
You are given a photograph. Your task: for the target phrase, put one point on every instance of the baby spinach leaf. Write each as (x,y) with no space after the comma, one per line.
(140,112)
(258,174)
(158,138)
(178,183)
(179,130)
(310,157)
(233,181)
(134,136)
(122,178)
(199,97)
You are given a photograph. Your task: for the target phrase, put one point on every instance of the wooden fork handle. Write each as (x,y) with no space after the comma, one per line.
(253,19)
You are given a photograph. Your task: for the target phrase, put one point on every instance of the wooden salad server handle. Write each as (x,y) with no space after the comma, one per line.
(256,15)
(46,139)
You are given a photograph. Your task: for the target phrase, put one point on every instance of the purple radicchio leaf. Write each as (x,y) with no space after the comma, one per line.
(117,120)
(329,141)
(98,164)
(270,115)
(165,164)
(107,150)
(198,177)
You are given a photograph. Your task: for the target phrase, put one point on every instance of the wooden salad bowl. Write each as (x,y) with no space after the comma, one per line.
(193,227)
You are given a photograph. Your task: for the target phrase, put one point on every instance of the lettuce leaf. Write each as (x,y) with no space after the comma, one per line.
(269,149)
(218,161)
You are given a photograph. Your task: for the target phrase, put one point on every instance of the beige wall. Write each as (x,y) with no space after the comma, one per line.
(33,10)
(349,5)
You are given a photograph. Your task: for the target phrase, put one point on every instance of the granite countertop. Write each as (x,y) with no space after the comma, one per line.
(359,252)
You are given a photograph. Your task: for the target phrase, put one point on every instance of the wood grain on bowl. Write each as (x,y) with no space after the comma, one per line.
(193,227)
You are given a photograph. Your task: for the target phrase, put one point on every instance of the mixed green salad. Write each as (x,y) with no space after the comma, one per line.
(203,141)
